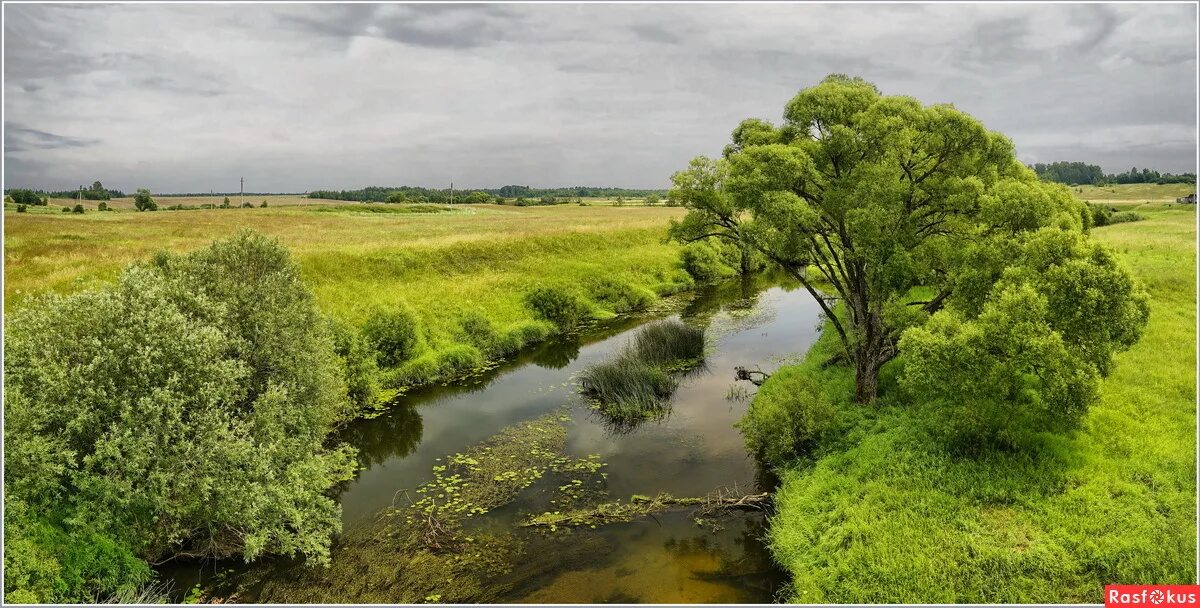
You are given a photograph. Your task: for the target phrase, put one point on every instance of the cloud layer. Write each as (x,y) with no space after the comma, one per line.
(187,98)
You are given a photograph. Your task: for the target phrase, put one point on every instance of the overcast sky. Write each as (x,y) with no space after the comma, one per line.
(187,98)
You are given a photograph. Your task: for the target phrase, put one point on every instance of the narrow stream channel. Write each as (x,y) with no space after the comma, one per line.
(696,449)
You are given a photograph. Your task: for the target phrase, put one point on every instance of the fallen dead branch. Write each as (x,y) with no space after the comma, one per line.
(718,502)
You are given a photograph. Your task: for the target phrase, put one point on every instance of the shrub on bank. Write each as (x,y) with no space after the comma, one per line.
(788,417)
(703,262)
(558,306)
(620,297)
(393,334)
(184,408)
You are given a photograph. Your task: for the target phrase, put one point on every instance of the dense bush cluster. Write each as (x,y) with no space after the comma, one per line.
(182,410)
(1104,216)
(558,305)
(788,418)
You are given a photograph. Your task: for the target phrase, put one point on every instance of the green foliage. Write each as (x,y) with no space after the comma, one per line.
(46,562)
(415,194)
(788,418)
(886,198)
(103,206)
(559,306)
(20,208)
(393,334)
(77,209)
(1030,359)
(263,205)
(359,361)
(703,261)
(183,408)
(618,296)
(66,209)
(22,196)
(142,201)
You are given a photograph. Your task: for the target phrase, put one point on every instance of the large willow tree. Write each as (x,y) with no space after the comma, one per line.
(916,219)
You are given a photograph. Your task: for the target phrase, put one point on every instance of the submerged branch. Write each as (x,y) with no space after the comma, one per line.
(716,503)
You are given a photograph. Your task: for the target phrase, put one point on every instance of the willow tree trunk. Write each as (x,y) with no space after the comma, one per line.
(869,356)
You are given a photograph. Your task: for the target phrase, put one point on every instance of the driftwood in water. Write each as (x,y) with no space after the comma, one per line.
(757,376)
(714,504)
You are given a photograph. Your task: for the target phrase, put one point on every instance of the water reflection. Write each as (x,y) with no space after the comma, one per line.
(393,434)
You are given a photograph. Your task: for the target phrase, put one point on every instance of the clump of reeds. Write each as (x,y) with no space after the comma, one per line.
(637,383)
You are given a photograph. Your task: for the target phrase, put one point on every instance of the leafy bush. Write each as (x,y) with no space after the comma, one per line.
(393,334)
(788,417)
(20,208)
(77,209)
(183,408)
(66,209)
(358,359)
(558,306)
(478,331)
(103,206)
(1125,216)
(703,262)
(620,297)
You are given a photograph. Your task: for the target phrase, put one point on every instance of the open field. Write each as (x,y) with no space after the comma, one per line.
(360,259)
(891,517)
(1134,196)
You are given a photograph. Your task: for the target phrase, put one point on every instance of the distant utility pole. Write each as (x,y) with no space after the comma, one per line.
(451,193)
(81,195)
(242,191)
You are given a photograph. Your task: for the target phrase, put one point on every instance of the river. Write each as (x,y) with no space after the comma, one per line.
(667,558)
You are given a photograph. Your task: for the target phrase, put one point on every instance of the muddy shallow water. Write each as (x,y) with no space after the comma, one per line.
(666,558)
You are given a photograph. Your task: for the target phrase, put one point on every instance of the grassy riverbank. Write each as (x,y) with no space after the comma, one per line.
(464,273)
(888,516)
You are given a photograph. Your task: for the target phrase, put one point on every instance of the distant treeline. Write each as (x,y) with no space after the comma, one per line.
(414,194)
(1077,173)
(95,193)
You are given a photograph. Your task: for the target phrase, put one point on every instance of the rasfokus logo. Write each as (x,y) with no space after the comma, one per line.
(1164,596)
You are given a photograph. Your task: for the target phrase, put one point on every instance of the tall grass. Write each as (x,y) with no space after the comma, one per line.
(637,383)
(668,343)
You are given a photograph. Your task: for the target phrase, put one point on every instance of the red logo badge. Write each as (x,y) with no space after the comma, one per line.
(1151,596)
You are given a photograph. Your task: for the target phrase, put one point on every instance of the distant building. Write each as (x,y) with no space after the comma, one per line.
(1189,199)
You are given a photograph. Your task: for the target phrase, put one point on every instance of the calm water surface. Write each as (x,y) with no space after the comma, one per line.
(694,450)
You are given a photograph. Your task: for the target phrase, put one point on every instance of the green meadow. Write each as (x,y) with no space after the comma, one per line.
(449,267)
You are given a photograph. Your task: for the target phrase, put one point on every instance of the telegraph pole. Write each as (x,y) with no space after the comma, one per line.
(242,191)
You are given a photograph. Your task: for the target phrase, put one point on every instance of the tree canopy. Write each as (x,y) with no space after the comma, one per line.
(925,232)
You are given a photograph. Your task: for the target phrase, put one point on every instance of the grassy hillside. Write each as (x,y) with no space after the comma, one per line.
(891,517)
(445,266)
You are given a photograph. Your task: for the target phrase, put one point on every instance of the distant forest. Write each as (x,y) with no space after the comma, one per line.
(1077,173)
(384,194)
(97,192)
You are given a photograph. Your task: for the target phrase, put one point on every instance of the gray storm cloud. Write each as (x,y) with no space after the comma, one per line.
(188,98)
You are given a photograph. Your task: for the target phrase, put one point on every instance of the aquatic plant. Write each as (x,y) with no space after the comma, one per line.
(636,384)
